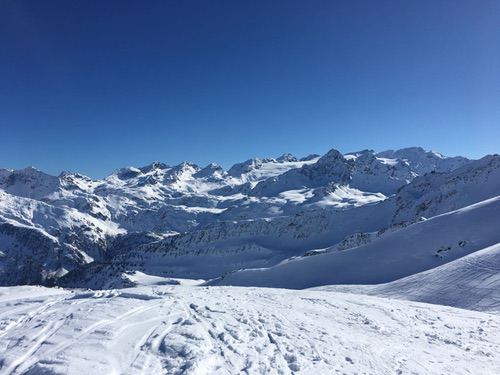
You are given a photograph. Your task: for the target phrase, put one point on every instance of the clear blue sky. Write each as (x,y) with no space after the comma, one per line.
(90,86)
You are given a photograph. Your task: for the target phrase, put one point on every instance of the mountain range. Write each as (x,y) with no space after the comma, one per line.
(353,263)
(209,223)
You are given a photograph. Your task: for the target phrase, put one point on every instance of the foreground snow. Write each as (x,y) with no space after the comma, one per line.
(190,329)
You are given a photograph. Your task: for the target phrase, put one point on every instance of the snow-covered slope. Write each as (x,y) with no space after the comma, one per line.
(418,247)
(193,330)
(41,242)
(471,282)
(436,193)
(421,161)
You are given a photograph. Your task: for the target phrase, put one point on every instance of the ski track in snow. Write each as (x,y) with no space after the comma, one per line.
(227,330)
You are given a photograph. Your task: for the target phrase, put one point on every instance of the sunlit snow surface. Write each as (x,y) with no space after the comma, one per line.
(391,256)
(169,329)
(425,226)
(471,282)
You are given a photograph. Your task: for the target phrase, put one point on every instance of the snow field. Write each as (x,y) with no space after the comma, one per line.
(225,330)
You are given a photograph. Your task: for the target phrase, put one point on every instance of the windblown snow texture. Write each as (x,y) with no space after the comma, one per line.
(166,329)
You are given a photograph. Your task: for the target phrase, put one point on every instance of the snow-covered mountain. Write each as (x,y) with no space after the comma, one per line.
(226,246)
(418,247)
(165,219)
(156,240)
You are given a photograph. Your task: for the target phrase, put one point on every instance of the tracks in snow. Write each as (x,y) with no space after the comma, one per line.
(189,330)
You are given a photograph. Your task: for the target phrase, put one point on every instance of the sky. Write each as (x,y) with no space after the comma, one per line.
(91,86)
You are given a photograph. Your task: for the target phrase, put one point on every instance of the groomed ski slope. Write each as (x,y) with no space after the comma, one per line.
(165,329)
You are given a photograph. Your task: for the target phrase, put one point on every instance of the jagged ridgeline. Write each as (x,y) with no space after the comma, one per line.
(193,222)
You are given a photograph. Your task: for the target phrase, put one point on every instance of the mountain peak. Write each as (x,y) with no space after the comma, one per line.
(309,157)
(240,168)
(153,166)
(29,170)
(286,157)
(211,170)
(331,156)
(127,173)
